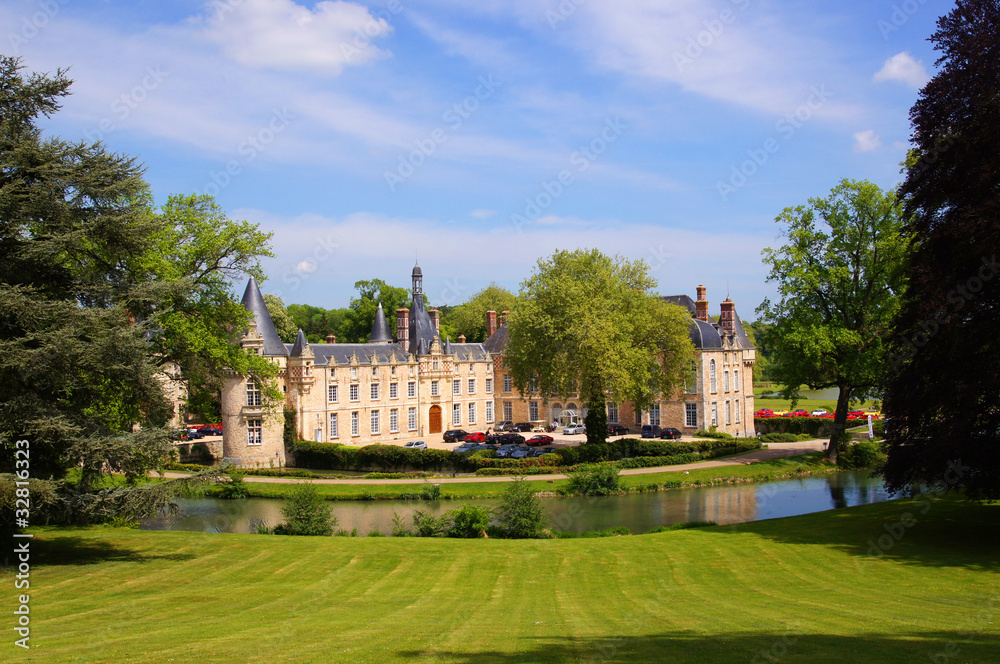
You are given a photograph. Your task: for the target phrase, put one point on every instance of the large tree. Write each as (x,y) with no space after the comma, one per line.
(470,318)
(358,325)
(98,294)
(943,422)
(590,324)
(839,279)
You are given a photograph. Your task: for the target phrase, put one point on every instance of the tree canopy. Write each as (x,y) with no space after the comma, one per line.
(469,318)
(839,279)
(590,324)
(358,324)
(99,293)
(943,423)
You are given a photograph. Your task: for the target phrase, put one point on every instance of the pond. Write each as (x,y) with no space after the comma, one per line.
(638,512)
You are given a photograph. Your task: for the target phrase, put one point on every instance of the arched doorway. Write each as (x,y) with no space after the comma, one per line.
(434,420)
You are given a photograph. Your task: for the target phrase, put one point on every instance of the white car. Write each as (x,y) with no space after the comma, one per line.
(819,411)
(574,428)
(416,445)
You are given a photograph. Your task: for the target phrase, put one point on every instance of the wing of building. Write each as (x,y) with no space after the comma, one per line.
(417,385)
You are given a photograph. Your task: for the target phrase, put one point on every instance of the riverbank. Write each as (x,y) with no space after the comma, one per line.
(888,583)
(759,466)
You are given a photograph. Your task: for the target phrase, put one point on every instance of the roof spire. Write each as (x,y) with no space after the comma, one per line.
(253,301)
(380,328)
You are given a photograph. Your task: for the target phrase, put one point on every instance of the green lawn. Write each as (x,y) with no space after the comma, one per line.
(799,590)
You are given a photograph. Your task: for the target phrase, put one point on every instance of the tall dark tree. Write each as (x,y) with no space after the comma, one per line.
(943,421)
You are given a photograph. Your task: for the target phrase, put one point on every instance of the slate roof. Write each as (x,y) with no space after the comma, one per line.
(253,300)
(462,351)
(422,330)
(380,328)
(342,353)
(741,333)
(300,345)
(497,341)
(704,335)
(681,301)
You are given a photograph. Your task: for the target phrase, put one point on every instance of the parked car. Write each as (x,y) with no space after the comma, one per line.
(617,430)
(781,413)
(466,447)
(503,426)
(193,434)
(488,447)
(180,434)
(799,413)
(764,412)
(510,439)
(454,435)
(416,445)
(574,429)
(540,439)
(209,430)
(521,426)
(819,412)
(475,437)
(521,453)
(670,433)
(545,450)
(650,431)
(505,451)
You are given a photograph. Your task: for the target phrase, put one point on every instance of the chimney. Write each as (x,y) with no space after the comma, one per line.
(503,316)
(728,317)
(701,306)
(403,325)
(436,318)
(491,323)
(461,338)
(331,339)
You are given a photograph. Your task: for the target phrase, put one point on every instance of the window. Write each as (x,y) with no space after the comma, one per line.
(413,370)
(456,414)
(715,414)
(354,424)
(472,413)
(393,390)
(394,420)
(508,411)
(456,387)
(253,393)
(434,365)
(725,381)
(354,393)
(692,382)
(654,414)
(334,428)
(489,386)
(736,381)
(374,371)
(690,414)
(711,376)
(638,417)
(332,393)
(254,432)
(736,407)
(354,372)
(729,412)
(533,384)
(533,410)
(613,413)
(472,368)
(434,388)
(506,384)
(489,411)
(411,419)
(392,371)
(374,391)
(375,422)
(411,389)
(472,386)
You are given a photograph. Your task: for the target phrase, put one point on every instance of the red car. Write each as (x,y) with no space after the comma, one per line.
(764,412)
(799,413)
(475,437)
(539,440)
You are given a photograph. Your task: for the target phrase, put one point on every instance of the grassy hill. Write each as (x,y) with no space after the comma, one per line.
(809,589)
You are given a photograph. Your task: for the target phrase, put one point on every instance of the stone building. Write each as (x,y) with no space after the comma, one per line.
(381,391)
(720,393)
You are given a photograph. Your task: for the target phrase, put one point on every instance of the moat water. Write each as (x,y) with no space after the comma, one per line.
(639,513)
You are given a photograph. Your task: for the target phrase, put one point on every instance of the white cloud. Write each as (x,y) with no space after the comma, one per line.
(280,34)
(482,213)
(903,68)
(866,141)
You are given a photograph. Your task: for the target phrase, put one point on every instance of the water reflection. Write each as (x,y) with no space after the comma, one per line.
(638,512)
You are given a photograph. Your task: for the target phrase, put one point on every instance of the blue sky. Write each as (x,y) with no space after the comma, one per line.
(482,136)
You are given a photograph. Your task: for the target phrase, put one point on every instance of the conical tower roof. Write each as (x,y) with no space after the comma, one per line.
(380,328)
(253,300)
(300,344)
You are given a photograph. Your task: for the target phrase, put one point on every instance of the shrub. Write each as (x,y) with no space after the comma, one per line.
(469,522)
(520,514)
(431,491)
(428,525)
(278,472)
(399,528)
(235,488)
(721,435)
(683,525)
(869,454)
(595,481)
(306,513)
(257,526)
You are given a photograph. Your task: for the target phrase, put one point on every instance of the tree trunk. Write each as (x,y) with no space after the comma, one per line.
(839,422)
